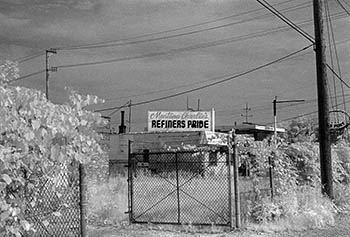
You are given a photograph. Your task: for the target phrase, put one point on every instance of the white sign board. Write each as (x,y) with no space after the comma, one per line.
(214,138)
(180,121)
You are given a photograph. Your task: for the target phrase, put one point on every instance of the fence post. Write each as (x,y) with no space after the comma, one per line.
(271,175)
(236,179)
(83,200)
(178,190)
(130,182)
(230,172)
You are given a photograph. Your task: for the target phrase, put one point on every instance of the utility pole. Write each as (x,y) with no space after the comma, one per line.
(323,106)
(271,163)
(48,69)
(247,109)
(275,102)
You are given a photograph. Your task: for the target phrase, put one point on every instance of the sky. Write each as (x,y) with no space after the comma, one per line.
(162,48)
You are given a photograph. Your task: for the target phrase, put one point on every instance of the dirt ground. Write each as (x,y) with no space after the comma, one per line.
(341,228)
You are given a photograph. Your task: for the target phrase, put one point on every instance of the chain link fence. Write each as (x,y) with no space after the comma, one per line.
(53,205)
(190,187)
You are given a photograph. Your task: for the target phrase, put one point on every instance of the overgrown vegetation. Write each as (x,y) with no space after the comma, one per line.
(36,137)
(298,201)
(108,202)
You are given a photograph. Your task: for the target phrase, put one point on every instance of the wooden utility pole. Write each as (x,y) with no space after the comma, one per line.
(48,69)
(323,107)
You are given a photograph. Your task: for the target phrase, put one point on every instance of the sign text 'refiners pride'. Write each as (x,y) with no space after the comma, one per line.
(161,121)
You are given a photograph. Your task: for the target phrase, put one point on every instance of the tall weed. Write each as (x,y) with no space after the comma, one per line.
(108,201)
(299,209)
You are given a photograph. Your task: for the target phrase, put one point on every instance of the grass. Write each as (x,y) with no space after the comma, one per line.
(202,199)
(108,202)
(300,209)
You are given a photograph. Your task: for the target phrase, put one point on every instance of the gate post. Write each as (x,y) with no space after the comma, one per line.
(83,200)
(130,182)
(177,190)
(234,160)
(230,171)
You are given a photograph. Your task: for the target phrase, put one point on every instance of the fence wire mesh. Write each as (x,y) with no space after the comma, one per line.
(180,187)
(53,205)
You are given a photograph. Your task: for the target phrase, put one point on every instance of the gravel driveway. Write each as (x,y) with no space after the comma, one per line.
(341,228)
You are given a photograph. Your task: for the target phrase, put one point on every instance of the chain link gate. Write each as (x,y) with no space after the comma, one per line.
(187,187)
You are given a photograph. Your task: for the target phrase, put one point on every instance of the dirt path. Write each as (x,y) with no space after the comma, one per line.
(341,228)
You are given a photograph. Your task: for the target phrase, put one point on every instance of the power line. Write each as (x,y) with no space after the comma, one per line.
(214,83)
(297,28)
(330,68)
(297,7)
(123,106)
(188,48)
(346,3)
(167,31)
(342,6)
(331,53)
(27,58)
(286,20)
(26,76)
(192,47)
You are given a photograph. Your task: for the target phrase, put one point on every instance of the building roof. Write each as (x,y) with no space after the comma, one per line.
(247,128)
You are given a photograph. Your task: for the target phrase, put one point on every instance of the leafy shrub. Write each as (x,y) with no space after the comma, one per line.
(342,197)
(36,136)
(299,209)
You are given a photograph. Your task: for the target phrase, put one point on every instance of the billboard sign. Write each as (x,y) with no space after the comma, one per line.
(180,121)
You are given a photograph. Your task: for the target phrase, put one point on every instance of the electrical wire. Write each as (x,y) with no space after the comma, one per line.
(336,52)
(348,4)
(192,47)
(297,7)
(286,20)
(26,76)
(331,55)
(199,82)
(166,31)
(123,106)
(297,28)
(214,83)
(188,48)
(27,58)
(331,69)
(342,6)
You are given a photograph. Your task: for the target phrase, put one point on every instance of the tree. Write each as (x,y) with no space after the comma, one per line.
(35,136)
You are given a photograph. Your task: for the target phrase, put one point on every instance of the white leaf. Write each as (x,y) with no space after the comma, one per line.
(29,136)
(45,223)
(36,124)
(25,225)
(6,178)
(57,213)
(83,122)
